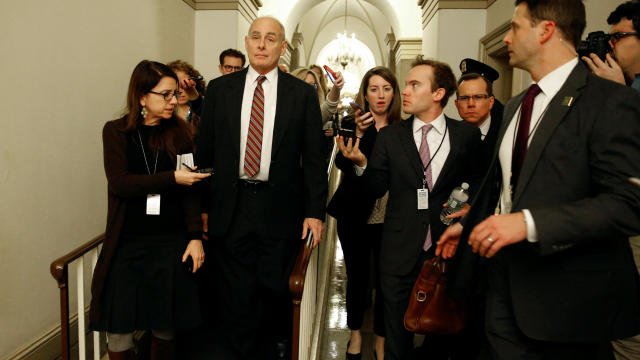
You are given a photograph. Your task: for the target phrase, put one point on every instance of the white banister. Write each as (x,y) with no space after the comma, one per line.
(80,285)
(96,334)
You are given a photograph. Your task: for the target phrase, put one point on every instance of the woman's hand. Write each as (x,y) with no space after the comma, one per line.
(189,86)
(334,93)
(363,121)
(187,177)
(195,250)
(351,151)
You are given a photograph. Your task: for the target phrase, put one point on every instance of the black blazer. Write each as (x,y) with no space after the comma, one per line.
(579,282)
(350,202)
(395,165)
(297,186)
(489,142)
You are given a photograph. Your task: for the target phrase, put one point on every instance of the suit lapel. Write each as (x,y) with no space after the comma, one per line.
(409,145)
(234,99)
(455,144)
(555,114)
(283,104)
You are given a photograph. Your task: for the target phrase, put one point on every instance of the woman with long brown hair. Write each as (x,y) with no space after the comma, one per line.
(360,218)
(153,237)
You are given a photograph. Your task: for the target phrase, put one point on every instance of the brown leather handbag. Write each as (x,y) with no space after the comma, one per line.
(431,310)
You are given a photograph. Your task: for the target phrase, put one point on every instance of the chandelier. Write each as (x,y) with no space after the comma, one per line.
(345,50)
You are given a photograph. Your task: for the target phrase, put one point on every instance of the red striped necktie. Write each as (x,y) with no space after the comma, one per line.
(254,135)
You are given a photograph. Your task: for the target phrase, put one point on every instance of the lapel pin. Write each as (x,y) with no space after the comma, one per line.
(567,101)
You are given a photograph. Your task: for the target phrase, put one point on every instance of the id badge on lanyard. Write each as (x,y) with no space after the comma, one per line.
(423,197)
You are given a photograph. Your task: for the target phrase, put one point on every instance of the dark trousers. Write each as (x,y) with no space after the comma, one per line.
(252,271)
(508,342)
(397,289)
(359,242)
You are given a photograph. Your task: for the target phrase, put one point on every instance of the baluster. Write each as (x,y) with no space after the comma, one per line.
(81,337)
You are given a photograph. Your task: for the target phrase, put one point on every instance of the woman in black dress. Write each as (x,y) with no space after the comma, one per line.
(360,217)
(153,238)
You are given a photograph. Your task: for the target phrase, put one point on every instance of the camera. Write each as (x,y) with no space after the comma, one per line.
(347,129)
(597,42)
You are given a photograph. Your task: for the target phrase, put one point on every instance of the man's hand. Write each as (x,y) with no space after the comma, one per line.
(315,225)
(496,232)
(609,70)
(460,213)
(351,151)
(449,240)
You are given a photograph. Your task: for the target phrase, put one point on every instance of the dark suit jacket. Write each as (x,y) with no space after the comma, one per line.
(578,283)
(297,186)
(395,165)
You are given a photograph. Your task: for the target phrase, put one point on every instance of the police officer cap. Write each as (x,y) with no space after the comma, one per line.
(470,66)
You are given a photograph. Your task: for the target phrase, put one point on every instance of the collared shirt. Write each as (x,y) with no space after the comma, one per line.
(270,88)
(484,128)
(550,85)
(435,137)
(636,83)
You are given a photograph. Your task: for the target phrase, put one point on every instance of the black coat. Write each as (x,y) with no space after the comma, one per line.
(297,186)
(395,166)
(579,282)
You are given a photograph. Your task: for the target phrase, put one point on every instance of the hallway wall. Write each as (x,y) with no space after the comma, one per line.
(65,67)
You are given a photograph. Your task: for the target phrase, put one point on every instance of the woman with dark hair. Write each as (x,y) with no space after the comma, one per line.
(190,101)
(360,218)
(154,231)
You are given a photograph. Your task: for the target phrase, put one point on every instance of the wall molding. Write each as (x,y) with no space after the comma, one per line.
(491,43)
(407,49)
(248,8)
(430,7)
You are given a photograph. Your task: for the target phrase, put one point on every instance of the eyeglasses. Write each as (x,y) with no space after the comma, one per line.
(477,97)
(232,68)
(615,37)
(168,95)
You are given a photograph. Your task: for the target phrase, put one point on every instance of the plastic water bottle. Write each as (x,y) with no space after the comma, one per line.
(457,199)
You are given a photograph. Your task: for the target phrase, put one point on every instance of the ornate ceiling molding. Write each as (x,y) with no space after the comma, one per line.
(430,7)
(248,8)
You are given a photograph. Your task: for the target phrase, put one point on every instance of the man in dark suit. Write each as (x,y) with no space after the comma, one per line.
(419,161)
(261,133)
(561,276)
(476,103)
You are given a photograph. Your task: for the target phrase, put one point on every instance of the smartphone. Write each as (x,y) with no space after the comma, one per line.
(201,171)
(330,73)
(357,106)
(196,78)
(188,264)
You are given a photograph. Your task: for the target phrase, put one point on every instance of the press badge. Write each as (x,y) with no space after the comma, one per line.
(153,204)
(423,199)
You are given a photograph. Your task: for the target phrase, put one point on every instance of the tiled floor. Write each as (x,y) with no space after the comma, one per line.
(336,332)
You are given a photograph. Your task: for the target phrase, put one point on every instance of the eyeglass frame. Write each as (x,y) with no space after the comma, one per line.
(231,67)
(617,36)
(475,97)
(170,94)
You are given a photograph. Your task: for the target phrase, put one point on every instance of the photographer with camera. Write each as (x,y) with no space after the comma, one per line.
(624,65)
(625,44)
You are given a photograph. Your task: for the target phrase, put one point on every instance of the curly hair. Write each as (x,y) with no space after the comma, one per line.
(185,67)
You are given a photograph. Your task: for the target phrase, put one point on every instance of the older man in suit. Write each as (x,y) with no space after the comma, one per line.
(261,133)
(561,275)
(419,161)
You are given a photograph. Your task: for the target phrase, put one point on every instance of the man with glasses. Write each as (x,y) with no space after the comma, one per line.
(624,66)
(476,103)
(231,60)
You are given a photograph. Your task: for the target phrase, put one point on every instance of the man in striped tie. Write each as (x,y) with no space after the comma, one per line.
(261,132)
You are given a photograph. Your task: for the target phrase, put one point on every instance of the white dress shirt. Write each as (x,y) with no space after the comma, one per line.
(550,85)
(270,88)
(434,139)
(484,128)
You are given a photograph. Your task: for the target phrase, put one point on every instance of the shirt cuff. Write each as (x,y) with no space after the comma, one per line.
(532,233)
(359,170)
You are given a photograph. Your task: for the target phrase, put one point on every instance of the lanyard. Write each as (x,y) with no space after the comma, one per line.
(424,168)
(155,167)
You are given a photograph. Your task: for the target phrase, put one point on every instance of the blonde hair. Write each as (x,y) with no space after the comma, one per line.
(301,73)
